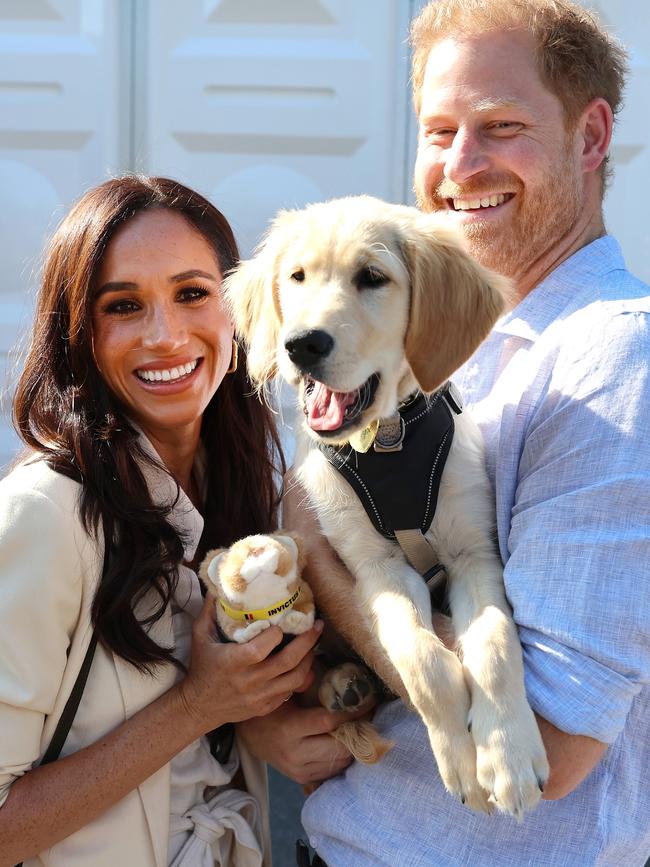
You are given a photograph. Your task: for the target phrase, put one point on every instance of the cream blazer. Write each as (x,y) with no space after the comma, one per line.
(49,569)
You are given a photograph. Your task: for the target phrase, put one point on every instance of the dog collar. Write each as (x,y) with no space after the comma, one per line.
(387,434)
(261,613)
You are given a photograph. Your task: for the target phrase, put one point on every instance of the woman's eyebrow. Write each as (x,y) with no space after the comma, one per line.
(115,286)
(126,286)
(188,275)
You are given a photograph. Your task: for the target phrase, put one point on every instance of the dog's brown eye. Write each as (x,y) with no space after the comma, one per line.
(370,278)
(298,275)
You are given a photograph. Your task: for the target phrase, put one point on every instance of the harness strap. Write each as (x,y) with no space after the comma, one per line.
(421,556)
(395,468)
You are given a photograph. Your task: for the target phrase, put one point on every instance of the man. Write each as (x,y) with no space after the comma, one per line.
(516,100)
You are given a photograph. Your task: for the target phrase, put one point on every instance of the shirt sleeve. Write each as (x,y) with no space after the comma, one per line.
(578,571)
(40,600)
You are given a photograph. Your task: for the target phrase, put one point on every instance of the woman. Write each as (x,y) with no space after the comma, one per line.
(138,419)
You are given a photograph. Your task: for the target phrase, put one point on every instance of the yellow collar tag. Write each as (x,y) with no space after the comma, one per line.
(363,439)
(260,613)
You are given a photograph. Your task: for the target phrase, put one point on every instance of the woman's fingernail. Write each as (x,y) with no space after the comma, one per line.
(318,625)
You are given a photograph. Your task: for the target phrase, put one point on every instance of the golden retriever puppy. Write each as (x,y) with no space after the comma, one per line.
(364,307)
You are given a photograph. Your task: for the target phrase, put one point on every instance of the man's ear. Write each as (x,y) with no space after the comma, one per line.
(595,128)
(454,301)
(251,293)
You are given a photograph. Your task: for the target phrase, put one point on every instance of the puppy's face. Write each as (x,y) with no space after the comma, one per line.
(343,296)
(358,303)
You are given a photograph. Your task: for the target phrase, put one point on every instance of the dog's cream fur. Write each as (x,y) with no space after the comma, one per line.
(434,308)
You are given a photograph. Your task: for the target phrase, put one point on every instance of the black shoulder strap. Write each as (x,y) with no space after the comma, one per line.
(69,711)
(64,724)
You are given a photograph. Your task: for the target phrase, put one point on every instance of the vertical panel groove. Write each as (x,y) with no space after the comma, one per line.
(139,66)
(124,96)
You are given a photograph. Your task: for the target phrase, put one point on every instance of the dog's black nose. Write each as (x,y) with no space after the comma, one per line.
(307,348)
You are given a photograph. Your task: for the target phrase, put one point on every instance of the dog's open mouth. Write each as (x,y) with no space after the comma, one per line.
(329,412)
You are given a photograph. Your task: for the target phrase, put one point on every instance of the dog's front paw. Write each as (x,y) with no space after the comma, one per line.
(455,754)
(349,686)
(510,758)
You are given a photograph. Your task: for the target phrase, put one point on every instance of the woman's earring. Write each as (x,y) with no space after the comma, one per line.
(234,357)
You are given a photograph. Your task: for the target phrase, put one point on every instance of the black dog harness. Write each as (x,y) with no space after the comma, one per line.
(398,479)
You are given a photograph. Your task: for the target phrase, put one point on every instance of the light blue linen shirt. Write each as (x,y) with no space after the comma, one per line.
(561,391)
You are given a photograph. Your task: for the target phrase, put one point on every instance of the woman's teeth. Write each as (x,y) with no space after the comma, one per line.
(168,375)
(473,204)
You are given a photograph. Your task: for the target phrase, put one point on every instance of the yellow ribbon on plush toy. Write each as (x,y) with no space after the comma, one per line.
(261,613)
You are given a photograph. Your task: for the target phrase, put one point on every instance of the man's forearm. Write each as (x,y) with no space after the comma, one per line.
(571,758)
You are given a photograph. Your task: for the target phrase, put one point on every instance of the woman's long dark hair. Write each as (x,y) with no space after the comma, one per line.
(64,410)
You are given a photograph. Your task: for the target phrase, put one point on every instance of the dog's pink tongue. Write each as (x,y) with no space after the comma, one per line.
(325,408)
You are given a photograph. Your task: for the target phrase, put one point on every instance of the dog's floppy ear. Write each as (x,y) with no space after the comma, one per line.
(454,301)
(251,294)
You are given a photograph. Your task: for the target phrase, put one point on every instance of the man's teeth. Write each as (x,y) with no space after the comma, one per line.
(167,375)
(473,204)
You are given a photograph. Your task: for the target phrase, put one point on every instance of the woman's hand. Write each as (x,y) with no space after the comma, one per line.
(296,741)
(229,682)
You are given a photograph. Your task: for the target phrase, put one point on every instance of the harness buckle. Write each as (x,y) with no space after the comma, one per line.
(435,577)
(390,434)
(453,398)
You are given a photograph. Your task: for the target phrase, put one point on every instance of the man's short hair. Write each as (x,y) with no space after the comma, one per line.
(578,59)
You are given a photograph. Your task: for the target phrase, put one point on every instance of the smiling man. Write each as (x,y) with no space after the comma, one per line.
(512,160)
(516,101)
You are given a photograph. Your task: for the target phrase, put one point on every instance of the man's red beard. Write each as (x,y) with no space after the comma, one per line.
(539,217)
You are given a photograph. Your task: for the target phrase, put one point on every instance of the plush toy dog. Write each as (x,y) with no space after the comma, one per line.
(257,582)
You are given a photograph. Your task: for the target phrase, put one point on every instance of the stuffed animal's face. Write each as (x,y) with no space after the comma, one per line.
(256,571)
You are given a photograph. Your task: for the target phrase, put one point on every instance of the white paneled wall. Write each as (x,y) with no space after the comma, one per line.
(260,105)
(624,205)
(266,105)
(60,131)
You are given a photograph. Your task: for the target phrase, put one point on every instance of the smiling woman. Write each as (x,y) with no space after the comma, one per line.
(162,338)
(145,449)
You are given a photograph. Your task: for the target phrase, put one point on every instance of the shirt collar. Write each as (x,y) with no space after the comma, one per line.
(166,492)
(561,289)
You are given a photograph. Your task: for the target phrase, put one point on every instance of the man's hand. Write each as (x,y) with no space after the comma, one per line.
(296,741)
